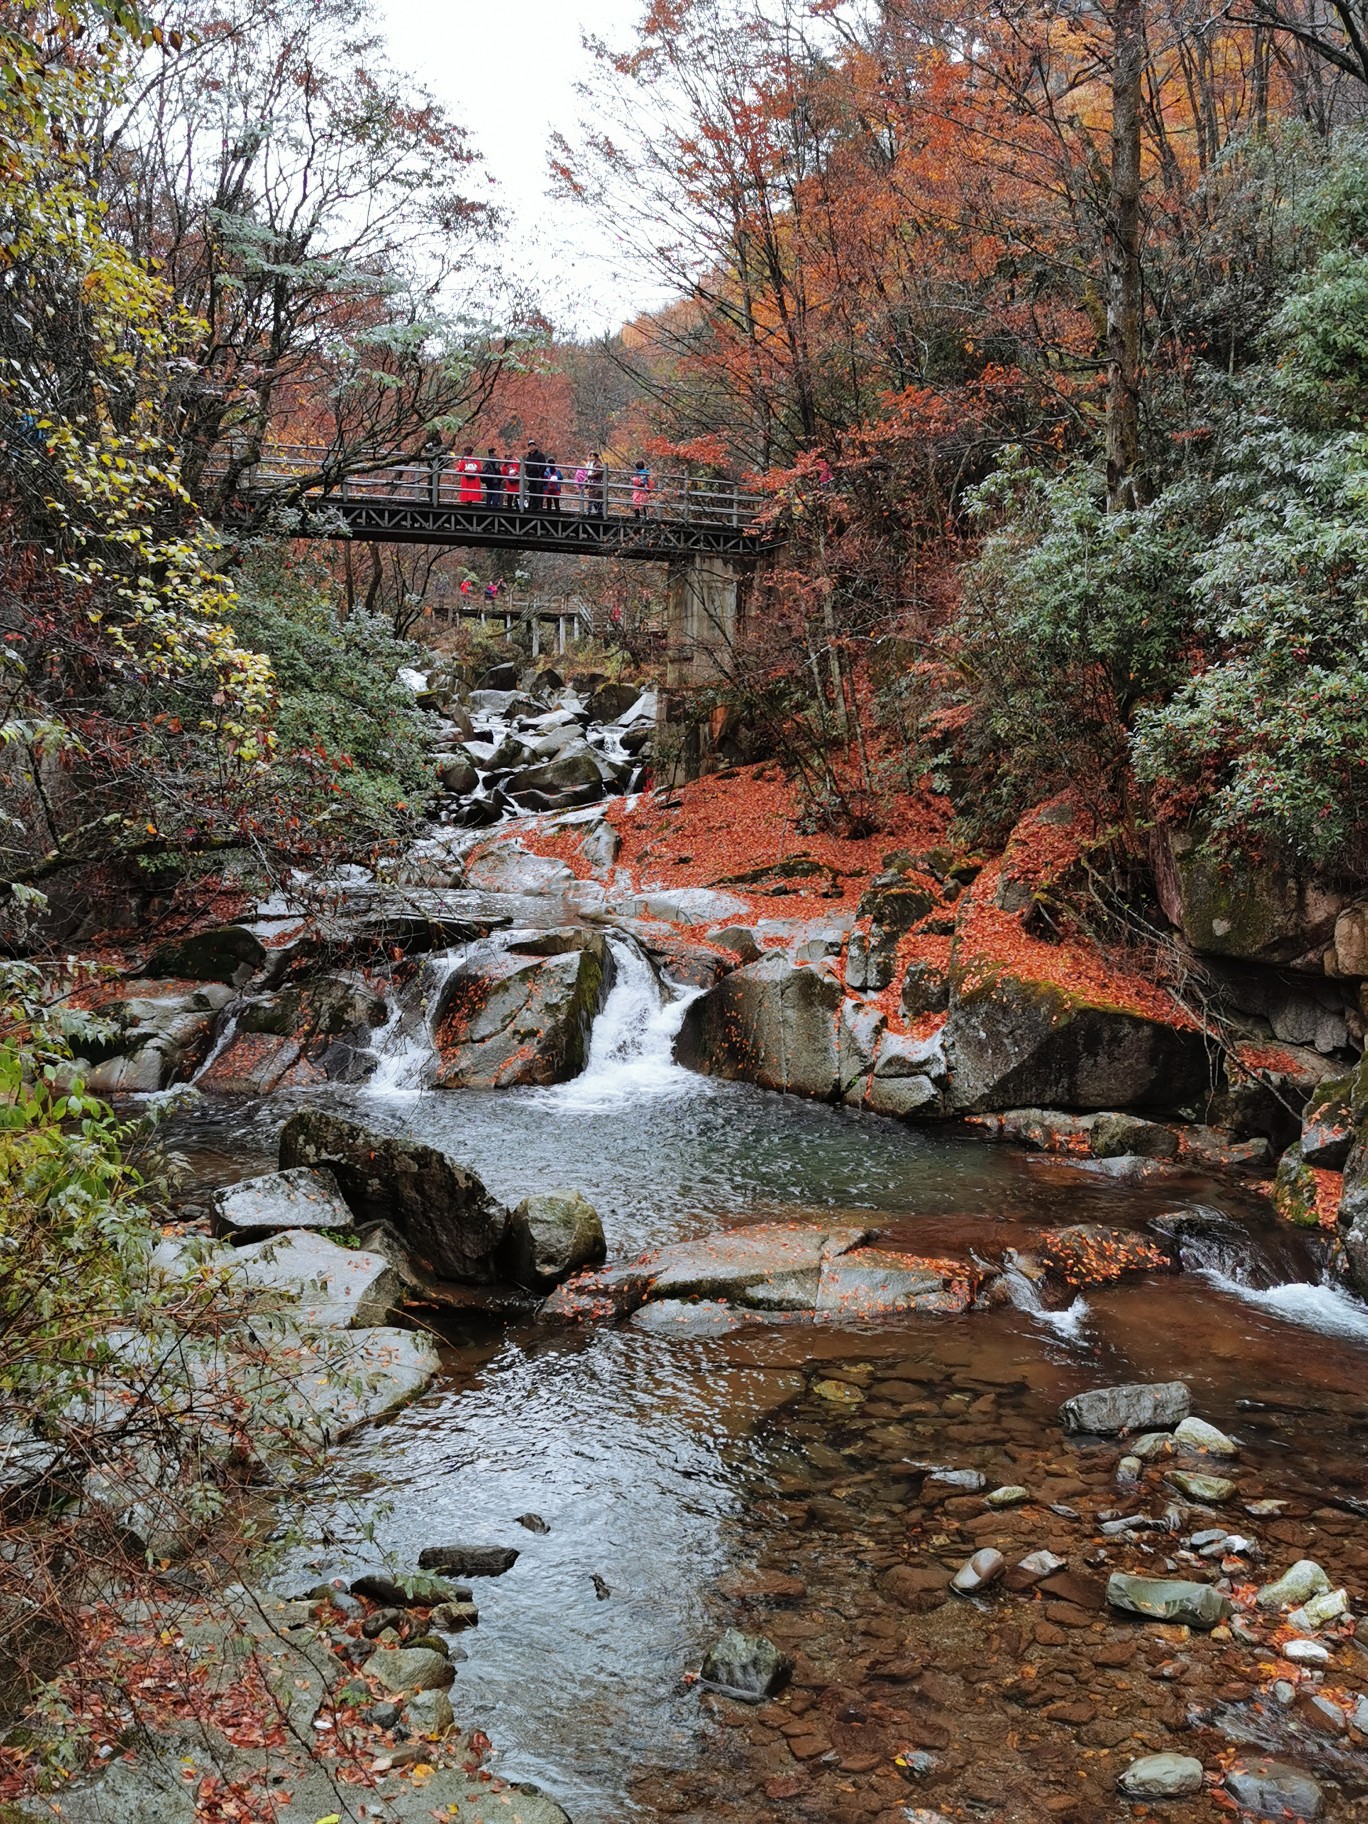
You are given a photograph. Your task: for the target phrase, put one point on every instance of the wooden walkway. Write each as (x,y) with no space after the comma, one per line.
(432,502)
(553,623)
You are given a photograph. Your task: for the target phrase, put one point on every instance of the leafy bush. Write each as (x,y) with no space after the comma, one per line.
(1072,616)
(1269,742)
(351,761)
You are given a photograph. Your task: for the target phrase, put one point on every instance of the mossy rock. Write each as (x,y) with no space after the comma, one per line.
(1294,1191)
(1259,915)
(1014,1042)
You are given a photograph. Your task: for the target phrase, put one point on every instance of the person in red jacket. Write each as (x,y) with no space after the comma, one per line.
(471,471)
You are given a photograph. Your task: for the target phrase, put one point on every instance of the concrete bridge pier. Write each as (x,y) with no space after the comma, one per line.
(705,613)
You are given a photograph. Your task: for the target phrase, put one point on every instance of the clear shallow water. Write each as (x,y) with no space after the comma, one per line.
(646,1455)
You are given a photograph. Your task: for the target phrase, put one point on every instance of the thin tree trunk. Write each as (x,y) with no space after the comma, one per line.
(1124,297)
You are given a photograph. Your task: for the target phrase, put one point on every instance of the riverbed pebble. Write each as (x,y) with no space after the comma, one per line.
(1201,1488)
(1011,1495)
(1162,1776)
(1196,1434)
(978,1572)
(1297,1585)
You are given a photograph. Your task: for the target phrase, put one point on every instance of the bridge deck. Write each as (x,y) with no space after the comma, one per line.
(435,502)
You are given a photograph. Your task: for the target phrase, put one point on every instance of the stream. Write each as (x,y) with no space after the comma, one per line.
(668,1467)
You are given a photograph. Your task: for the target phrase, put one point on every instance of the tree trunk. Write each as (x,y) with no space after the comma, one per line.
(1124,297)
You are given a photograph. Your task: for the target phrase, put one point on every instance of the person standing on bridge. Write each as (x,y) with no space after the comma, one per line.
(641,489)
(596,486)
(534,476)
(472,477)
(493,482)
(552,486)
(512,480)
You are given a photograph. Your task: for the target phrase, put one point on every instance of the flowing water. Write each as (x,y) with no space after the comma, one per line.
(661,1466)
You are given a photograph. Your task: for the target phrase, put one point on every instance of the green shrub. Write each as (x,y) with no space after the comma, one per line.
(351,760)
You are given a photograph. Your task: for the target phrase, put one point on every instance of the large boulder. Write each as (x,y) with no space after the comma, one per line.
(1258,915)
(550,1236)
(1353,1211)
(335,1288)
(612,701)
(892,904)
(255,1063)
(1012,1040)
(228,953)
(566,773)
(156,1036)
(769,1023)
(441,1209)
(510,1018)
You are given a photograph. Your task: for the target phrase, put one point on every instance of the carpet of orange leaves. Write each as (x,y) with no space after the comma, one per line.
(734,822)
(990,939)
(1329,1190)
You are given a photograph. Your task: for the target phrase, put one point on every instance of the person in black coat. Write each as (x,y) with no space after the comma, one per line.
(493,481)
(534,476)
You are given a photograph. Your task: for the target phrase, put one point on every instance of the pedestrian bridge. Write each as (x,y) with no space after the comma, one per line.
(431,502)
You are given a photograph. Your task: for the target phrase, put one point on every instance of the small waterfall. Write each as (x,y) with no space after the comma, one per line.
(220,1044)
(1327,1308)
(1025,1295)
(403,1047)
(631,1048)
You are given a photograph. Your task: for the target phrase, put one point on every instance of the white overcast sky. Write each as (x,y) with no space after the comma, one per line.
(507,70)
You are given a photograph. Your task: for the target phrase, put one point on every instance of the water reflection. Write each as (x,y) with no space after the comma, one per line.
(634,1451)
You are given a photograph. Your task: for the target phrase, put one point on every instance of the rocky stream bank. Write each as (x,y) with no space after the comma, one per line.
(925,1581)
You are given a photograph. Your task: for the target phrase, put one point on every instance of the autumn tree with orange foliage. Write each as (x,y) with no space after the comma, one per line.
(919,246)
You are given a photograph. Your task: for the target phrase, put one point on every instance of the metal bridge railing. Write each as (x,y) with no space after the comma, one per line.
(448,480)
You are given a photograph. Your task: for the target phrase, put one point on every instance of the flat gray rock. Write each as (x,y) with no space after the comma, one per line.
(689,1319)
(306,1197)
(337,1288)
(724,1266)
(868,1282)
(1175,1599)
(1134,1406)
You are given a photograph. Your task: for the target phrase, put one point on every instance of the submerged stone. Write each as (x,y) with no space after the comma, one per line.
(1162,1776)
(1198,1605)
(746,1665)
(1272,1789)
(1132,1406)
(550,1235)
(1201,1488)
